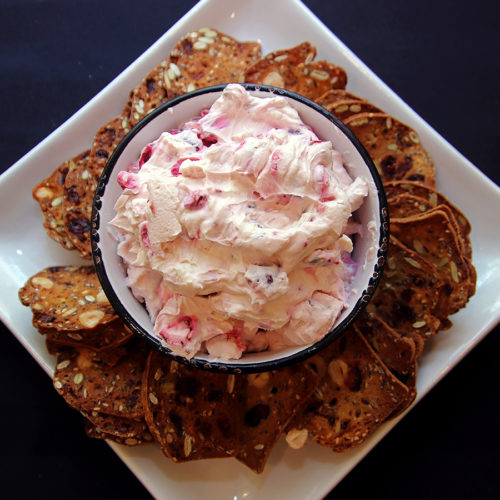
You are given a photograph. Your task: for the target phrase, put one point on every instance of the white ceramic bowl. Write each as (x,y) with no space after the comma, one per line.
(369,248)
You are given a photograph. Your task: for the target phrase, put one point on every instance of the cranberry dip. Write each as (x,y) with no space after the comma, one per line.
(236,230)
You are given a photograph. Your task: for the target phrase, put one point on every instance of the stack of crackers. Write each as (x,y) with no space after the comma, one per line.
(131,394)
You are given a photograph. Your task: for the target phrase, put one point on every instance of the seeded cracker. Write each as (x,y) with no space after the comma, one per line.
(102,337)
(293,69)
(408,294)
(271,400)
(434,237)
(50,194)
(67,298)
(398,353)
(332,96)
(207,57)
(118,426)
(348,108)
(432,198)
(94,432)
(88,384)
(394,148)
(356,394)
(191,412)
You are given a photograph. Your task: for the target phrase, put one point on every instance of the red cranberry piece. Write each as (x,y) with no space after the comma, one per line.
(195,200)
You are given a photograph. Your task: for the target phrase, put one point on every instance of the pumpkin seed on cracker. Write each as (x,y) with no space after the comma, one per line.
(293,69)
(59,298)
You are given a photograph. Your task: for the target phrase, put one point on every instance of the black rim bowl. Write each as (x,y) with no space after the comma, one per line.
(229,367)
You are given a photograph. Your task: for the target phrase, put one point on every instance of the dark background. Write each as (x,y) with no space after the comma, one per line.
(441,57)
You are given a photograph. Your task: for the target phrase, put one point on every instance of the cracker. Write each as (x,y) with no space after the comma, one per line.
(293,69)
(89,384)
(49,193)
(332,96)
(102,337)
(271,400)
(81,183)
(408,294)
(433,198)
(67,298)
(356,394)
(433,236)
(94,432)
(398,353)
(117,426)
(207,57)
(344,109)
(191,412)
(394,148)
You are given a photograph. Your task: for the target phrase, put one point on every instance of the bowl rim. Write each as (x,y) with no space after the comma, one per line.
(228,366)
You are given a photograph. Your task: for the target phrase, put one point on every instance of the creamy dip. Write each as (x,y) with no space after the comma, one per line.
(236,228)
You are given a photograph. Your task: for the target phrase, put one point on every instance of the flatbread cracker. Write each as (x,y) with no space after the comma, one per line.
(49,193)
(88,384)
(102,337)
(433,198)
(94,432)
(67,298)
(344,109)
(408,294)
(332,96)
(271,400)
(191,412)
(433,236)
(356,394)
(207,57)
(394,148)
(293,69)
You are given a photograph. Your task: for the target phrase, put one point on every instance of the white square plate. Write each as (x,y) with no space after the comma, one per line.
(320,469)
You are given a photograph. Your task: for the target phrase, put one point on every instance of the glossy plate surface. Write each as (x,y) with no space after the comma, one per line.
(25,249)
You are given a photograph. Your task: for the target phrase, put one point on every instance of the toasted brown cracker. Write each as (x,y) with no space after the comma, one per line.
(347,108)
(271,400)
(67,298)
(433,198)
(94,432)
(191,412)
(148,95)
(117,426)
(332,96)
(356,394)
(433,236)
(89,384)
(408,294)
(207,57)
(293,69)
(398,353)
(394,148)
(102,337)
(81,183)
(50,194)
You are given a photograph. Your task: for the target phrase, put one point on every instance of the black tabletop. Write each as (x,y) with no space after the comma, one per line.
(440,56)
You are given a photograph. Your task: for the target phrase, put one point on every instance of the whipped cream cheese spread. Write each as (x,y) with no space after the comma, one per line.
(235,229)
